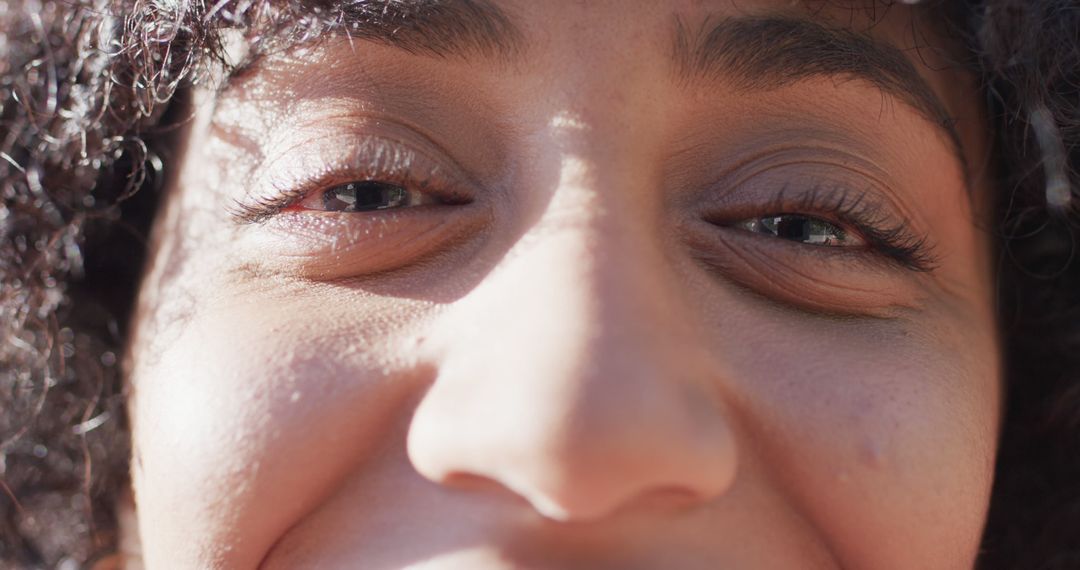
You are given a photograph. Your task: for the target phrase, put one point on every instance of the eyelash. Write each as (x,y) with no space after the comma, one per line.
(846,207)
(396,163)
(382,160)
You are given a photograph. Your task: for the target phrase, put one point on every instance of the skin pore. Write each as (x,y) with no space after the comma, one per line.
(618,295)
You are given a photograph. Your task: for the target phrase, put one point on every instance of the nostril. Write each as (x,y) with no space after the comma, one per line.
(466,481)
(469,482)
(484,489)
(660,502)
(667,501)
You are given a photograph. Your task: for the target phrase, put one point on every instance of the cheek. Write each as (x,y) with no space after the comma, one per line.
(254,409)
(227,414)
(883,439)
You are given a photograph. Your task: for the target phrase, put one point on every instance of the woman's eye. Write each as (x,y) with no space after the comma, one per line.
(802,229)
(364,196)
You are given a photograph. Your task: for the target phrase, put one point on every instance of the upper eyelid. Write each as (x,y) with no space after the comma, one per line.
(884,229)
(802,155)
(848,202)
(375,156)
(889,232)
(321,160)
(832,197)
(828,172)
(341,129)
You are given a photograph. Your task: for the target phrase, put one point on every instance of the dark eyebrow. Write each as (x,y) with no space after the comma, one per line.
(438,28)
(753,53)
(441,28)
(761,53)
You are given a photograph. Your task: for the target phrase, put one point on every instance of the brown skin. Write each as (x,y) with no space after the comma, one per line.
(574,369)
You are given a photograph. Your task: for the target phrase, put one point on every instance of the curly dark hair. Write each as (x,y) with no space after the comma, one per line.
(91,90)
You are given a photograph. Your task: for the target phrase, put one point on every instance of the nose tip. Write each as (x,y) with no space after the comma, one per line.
(582,485)
(578,451)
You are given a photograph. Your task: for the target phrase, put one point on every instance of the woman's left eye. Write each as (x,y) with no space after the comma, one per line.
(364,196)
(801,228)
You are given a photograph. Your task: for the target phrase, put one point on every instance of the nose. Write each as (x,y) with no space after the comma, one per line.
(571,377)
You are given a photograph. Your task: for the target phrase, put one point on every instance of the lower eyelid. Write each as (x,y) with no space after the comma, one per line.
(818,279)
(335,245)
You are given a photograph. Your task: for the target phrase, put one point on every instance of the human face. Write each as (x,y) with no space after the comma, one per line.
(687,285)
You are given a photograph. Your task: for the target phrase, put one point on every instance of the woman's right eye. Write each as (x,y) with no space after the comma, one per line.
(364,196)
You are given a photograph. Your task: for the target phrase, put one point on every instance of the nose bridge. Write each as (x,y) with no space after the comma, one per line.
(564,376)
(583,295)
(595,238)
(607,270)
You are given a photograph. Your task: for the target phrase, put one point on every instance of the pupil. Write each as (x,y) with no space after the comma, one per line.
(801,229)
(793,228)
(364,196)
